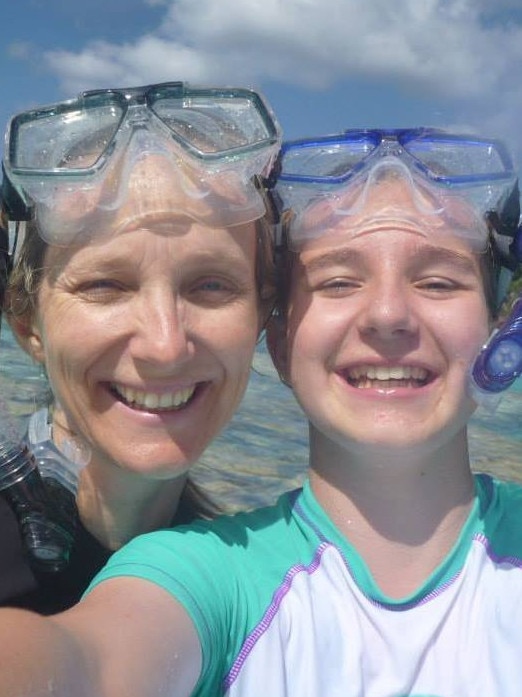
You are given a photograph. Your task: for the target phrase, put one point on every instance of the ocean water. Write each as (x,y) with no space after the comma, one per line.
(263,451)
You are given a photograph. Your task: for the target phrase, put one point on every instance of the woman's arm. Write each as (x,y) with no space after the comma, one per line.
(128,638)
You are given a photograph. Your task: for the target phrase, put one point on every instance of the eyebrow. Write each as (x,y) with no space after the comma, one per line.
(346,257)
(426,256)
(441,255)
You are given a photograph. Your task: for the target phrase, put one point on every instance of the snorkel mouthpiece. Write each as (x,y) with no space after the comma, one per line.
(499,362)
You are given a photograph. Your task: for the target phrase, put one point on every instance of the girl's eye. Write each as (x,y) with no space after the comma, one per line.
(337,286)
(438,285)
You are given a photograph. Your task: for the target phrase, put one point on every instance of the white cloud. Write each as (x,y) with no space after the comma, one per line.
(442,46)
(152,58)
(466,51)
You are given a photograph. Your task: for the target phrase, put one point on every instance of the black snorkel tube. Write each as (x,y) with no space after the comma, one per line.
(45,511)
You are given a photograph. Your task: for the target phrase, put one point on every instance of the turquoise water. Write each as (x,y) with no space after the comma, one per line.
(264,450)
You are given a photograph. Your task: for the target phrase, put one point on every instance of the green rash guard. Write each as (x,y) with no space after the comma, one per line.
(285,606)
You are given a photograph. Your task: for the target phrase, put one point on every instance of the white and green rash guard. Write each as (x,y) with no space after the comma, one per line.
(285,607)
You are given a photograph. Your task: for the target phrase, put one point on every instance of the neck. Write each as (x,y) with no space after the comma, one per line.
(115,506)
(401,509)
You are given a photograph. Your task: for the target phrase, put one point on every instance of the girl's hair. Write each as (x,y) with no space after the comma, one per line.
(21,300)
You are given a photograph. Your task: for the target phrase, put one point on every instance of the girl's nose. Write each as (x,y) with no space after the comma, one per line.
(388,313)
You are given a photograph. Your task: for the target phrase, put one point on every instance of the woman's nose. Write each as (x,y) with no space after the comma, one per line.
(161,334)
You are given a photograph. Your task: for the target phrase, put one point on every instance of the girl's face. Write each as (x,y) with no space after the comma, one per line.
(381,330)
(147,338)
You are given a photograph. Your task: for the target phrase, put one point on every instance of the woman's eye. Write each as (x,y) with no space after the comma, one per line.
(101,289)
(214,290)
(212,286)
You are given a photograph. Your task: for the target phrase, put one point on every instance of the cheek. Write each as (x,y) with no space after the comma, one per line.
(233,336)
(70,343)
(462,334)
(239,353)
(318,328)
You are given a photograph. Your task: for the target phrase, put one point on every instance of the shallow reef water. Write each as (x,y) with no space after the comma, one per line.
(263,451)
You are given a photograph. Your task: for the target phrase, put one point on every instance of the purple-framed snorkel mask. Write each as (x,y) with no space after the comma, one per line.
(456,181)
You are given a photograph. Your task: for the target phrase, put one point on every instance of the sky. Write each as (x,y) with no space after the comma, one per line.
(323,65)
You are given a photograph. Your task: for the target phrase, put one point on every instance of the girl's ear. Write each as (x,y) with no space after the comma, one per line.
(276,341)
(27,333)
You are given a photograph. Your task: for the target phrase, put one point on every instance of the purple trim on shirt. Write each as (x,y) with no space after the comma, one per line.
(395,606)
(497,558)
(324,545)
(271,612)
(418,601)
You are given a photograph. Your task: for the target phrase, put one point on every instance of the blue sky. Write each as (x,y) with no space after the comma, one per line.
(324,65)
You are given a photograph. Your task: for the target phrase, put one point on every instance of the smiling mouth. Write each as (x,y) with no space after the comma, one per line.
(386,377)
(141,400)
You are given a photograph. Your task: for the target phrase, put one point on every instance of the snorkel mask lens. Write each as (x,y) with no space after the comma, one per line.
(451,160)
(80,151)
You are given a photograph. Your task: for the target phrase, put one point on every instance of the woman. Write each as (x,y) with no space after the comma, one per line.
(141,285)
(394,571)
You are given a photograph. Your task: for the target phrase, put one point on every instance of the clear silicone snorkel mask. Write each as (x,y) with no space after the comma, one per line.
(459,185)
(71,165)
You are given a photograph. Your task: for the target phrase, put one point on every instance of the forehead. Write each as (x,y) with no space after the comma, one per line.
(401,249)
(391,201)
(169,244)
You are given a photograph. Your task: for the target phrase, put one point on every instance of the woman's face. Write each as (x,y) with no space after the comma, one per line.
(147,337)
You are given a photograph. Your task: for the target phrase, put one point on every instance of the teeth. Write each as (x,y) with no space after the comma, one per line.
(152,401)
(386,373)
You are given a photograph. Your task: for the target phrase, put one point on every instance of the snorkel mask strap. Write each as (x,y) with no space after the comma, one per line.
(17,213)
(270,196)
(16,231)
(13,204)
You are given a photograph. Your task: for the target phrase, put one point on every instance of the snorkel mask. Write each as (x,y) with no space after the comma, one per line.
(458,184)
(72,166)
